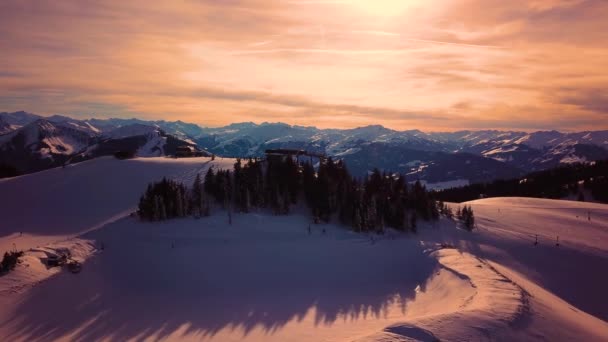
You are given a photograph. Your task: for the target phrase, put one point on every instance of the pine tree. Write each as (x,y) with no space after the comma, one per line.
(179,210)
(163,210)
(156,211)
(197,195)
(372,214)
(210,182)
(448,212)
(468,218)
(414,222)
(471,219)
(357,220)
(237,175)
(377,201)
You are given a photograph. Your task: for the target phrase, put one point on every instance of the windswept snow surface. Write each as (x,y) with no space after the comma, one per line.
(62,202)
(573,271)
(265,278)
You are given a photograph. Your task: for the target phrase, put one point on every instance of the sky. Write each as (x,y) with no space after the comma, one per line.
(405,64)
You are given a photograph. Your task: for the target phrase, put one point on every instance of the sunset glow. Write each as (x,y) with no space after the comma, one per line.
(431,65)
(385,8)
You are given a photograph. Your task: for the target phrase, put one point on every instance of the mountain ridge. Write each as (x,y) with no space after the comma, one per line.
(56,117)
(428,156)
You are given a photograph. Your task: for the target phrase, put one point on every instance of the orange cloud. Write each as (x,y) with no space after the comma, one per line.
(431,65)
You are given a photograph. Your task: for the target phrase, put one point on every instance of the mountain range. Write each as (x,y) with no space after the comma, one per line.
(31,142)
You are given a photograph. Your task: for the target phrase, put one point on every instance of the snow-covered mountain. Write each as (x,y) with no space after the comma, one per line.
(537,140)
(33,143)
(18,119)
(430,166)
(537,150)
(41,144)
(432,157)
(249,139)
(5,127)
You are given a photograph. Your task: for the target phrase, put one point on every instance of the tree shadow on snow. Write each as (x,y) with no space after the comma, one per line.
(143,288)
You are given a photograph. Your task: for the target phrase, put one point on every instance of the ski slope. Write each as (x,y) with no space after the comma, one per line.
(265,278)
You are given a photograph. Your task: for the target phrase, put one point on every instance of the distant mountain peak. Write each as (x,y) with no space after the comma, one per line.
(372,127)
(435,154)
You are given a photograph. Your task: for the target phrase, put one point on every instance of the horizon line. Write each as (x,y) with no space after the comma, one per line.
(260,123)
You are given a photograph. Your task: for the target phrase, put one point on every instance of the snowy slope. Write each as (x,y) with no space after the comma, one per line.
(62,202)
(522,291)
(153,137)
(569,271)
(225,283)
(264,278)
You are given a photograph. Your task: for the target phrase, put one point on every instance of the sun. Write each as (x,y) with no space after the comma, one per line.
(384,8)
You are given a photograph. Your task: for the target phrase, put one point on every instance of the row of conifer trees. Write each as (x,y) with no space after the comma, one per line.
(557,183)
(279,183)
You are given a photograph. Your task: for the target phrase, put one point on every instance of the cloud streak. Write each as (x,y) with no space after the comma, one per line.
(538,64)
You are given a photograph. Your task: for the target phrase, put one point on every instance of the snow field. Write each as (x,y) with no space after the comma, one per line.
(264,278)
